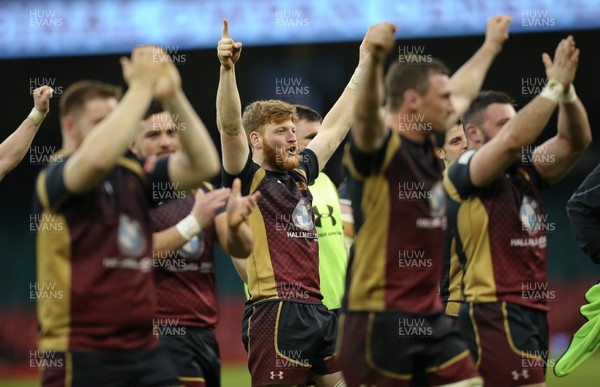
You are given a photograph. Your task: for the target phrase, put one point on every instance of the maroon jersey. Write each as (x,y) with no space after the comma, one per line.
(94,250)
(185,279)
(400,216)
(500,235)
(284,262)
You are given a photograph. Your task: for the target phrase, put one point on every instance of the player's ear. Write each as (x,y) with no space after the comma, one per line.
(255,140)
(133,148)
(411,99)
(440,154)
(471,132)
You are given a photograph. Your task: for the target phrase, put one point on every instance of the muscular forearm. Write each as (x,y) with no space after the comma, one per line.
(574,126)
(229,107)
(14,148)
(369,131)
(195,139)
(240,241)
(525,127)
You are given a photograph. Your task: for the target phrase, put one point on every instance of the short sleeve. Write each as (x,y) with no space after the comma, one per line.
(309,164)
(50,186)
(457,180)
(246,175)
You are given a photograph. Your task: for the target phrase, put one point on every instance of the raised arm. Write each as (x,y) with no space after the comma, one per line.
(199,160)
(234,143)
(201,217)
(234,234)
(368,130)
(573,136)
(14,148)
(99,151)
(584,213)
(468,79)
(490,161)
(339,119)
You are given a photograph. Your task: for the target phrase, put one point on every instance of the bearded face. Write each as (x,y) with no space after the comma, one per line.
(283,157)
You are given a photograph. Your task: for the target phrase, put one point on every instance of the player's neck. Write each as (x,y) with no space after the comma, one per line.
(409,125)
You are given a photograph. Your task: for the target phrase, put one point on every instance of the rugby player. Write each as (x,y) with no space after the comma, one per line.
(394,332)
(95,239)
(288,333)
(455,144)
(183,256)
(496,215)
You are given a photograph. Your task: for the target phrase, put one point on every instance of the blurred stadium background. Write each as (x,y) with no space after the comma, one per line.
(312,44)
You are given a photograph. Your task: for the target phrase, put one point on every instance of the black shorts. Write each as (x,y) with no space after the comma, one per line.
(195,356)
(392,349)
(141,368)
(509,342)
(288,342)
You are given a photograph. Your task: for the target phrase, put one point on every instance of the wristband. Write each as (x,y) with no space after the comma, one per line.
(353,84)
(188,227)
(36,116)
(569,96)
(553,90)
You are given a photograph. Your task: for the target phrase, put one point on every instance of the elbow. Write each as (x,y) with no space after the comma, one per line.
(206,168)
(230,128)
(512,142)
(585,141)
(213,168)
(240,246)
(240,250)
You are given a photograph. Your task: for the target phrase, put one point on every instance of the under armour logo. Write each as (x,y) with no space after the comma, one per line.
(329,215)
(279,375)
(516,375)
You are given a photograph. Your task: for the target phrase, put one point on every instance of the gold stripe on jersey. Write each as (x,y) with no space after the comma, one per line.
(369,353)
(132,165)
(394,144)
(367,287)
(480,285)
(257,179)
(208,185)
(450,188)
(301,171)
(349,163)
(454,287)
(53,250)
(43,193)
(261,277)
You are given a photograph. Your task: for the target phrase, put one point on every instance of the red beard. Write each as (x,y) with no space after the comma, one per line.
(281,160)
